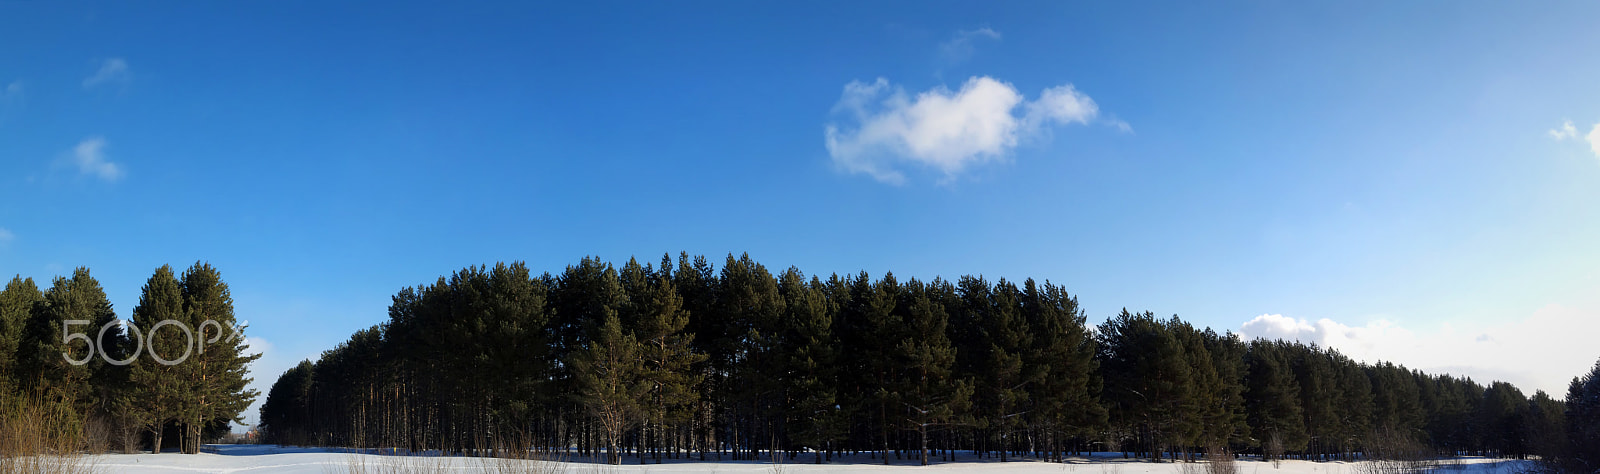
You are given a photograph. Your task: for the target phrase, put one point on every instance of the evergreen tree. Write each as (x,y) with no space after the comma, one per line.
(157,390)
(1006,338)
(286,414)
(1226,423)
(16,304)
(927,386)
(808,314)
(219,369)
(1272,398)
(1397,407)
(608,376)
(1068,400)
(1149,381)
(45,357)
(1583,422)
(1545,425)
(1501,418)
(666,349)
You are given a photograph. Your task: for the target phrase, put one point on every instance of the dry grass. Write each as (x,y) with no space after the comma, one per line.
(510,460)
(1218,460)
(356,463)
(1388,452)
(40,438)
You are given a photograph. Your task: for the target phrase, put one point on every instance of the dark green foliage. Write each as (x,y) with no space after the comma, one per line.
(157,391)
(686,359)
(817,422)
(1272,398)
(1065,351)
(16,305)
(218,370)
(1583,423)
(287,412)
(1149,381)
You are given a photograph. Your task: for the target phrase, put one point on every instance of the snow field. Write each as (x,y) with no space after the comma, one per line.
(268,459)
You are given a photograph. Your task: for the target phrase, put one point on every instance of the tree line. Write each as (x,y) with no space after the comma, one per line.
(679,359)
(122,396)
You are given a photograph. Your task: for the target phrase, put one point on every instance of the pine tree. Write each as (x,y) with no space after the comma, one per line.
(749,302)
(866,320)
(1501,418)
(808,315)
(286,414)
(156,389)
(219,369)
(1272,398)
(608,377)
(1583,422)
(1068,401)
(666,349)
(927,386)
(1227,423)
(1006,339)
(1149,381)
(1313,373)
(45,357)
(16,304)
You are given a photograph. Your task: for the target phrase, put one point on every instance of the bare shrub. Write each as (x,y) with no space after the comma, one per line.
(1219,460)
(516,458)
(1391,452)
(42,438)
(1272,449)
(358,463)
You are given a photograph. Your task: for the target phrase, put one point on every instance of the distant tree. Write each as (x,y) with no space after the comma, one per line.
(286,414)
(1397,407)
(1583,422)
(1545,426)
(1501,417)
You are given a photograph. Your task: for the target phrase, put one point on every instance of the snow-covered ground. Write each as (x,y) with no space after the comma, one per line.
(267,459)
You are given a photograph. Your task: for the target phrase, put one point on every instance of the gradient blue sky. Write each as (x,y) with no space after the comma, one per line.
(1391,178)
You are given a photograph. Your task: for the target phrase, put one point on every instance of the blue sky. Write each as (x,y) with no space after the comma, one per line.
(1395,179)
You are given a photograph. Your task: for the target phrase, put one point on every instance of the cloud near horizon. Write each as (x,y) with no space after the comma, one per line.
(941,129)
(1542,351)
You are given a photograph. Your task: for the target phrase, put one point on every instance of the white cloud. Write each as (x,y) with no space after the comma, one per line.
(1566,131)
(960,48)
(90,158)
(1542,351)
(942,129)
(1569,132)
(111,70)
(1594,140)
